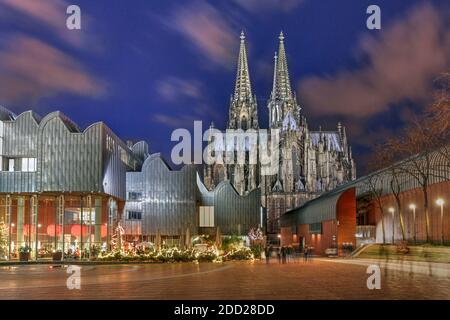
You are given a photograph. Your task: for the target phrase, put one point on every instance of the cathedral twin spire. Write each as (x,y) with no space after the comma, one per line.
(281,84)
(243,89)
(243,109)
(282,102)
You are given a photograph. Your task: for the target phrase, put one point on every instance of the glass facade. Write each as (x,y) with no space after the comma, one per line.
(62,190)
(77,226)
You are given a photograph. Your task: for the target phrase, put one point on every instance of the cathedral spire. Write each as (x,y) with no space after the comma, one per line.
(243,107)
(243,89)
(283,85)
(274,87)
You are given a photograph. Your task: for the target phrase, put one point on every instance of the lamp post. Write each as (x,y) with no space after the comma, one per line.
(391,210)
(440,202)
(413,208)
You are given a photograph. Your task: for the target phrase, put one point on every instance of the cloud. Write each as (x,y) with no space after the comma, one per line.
(258,6)
(171,121)
(207,31)
(184,95)
(31,69)
(50,14)
(400,65)
(173,88)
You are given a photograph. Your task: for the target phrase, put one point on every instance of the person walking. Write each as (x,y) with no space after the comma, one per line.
(268,252)
(283,254)
(305,254)
(279,254)
(290,253)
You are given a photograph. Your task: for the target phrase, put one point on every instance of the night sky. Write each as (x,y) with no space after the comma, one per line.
(147,67)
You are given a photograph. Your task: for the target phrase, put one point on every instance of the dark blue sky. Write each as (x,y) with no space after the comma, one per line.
(148,67)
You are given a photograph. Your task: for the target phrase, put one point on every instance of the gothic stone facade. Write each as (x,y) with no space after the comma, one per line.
(310,162)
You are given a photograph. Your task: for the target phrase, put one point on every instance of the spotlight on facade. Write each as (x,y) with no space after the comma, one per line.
(440,202)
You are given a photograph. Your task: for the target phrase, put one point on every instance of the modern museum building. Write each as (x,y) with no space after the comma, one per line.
(64,189)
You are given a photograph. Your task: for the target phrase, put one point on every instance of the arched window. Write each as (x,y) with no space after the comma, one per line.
(244,123)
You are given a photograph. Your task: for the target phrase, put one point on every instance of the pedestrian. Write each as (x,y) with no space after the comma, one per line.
(283,254)
(267,252)
(290,251)
(279,254)
(305,254)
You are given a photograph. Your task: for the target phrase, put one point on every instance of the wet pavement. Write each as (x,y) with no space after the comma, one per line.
(317,279)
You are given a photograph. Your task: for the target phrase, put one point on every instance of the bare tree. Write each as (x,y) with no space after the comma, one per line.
(437,116)
(418,143)
(373,184)
(384,158)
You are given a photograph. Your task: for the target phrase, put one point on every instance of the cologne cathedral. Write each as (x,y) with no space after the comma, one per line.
(310,162)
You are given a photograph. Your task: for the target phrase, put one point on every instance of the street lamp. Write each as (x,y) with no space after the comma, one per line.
(412,206)
(279,239)
(440,202)
(391,210)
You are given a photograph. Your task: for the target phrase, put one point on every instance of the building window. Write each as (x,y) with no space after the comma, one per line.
(28,165)
(11,165)
(315,228)
(134,215)
(134,196)
(124,156)
(19,164)
(109,143)
(206,217)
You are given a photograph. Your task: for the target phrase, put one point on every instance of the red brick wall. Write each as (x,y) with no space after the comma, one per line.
(344,232)
(346,217)
(286,236)
(320,242)
(435,191)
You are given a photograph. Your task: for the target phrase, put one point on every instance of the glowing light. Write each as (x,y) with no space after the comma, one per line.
(279,236)
(440,202)
(391,210)
(412,206)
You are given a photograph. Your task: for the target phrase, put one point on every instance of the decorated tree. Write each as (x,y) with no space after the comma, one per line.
(256,234)
(117,241)
(256,237)
(4,231)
